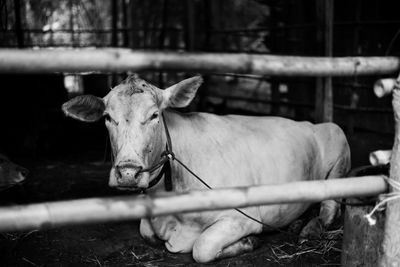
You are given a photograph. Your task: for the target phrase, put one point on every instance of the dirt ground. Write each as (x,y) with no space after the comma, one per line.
(119,244)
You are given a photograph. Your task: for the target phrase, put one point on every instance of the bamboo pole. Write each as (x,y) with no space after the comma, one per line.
(114,60)
(96,210)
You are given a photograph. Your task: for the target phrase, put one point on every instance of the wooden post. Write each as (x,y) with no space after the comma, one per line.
(114,20)
(71,21)
(18,27)
(189,29)
(112,79)
(353,94)
(164,21)
(391,237)
(125,36)
(353,105)
(362,241)
(189,25)
(324,95)
(275,95)
(208,25)
(132,24)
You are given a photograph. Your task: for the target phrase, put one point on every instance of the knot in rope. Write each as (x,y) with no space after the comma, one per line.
(384,199)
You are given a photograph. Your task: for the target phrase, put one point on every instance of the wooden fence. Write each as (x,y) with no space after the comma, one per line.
(40,216)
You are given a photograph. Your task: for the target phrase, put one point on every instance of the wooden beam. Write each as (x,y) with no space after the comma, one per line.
(391,237)
(119,60)
(96,210)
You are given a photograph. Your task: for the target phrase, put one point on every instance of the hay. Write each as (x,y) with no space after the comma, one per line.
(16,237)
(327,243)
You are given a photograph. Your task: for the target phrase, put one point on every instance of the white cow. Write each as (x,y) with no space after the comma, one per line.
(224,151)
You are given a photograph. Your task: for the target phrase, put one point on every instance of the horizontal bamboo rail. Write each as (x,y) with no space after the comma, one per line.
(118,60)
(96,210)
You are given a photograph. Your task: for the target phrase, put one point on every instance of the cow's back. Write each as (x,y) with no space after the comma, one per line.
(228,151)
(241,150)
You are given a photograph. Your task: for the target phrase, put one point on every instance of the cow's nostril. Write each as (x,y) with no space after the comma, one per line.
(24,172)
(117,173)
(128,171)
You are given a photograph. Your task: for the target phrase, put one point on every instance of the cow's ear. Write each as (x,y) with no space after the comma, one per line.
(181,94)
(87,108)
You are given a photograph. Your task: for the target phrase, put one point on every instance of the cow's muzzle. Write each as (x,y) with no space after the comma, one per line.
(127,173)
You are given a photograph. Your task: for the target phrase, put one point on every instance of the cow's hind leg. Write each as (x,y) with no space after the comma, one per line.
(226,238)
(329,209)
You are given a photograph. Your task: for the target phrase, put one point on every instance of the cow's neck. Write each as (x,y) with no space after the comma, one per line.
(177,124)
(181,128)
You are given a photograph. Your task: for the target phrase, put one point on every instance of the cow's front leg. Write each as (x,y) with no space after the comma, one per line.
(226,238)
(147,232)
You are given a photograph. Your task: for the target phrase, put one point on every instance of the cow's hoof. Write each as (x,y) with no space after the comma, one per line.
(311,231)
(296,226)
(244,245)
(251,241)
(153,241)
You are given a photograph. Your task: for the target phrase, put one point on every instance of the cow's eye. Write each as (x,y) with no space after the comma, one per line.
(108,118)
(154,116)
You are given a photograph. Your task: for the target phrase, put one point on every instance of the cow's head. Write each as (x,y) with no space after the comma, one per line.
(132,112)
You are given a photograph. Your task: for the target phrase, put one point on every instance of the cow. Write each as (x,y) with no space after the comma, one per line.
(11,174)
(225,151)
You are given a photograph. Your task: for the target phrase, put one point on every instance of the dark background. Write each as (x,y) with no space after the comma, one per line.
(33,126)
